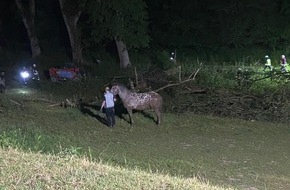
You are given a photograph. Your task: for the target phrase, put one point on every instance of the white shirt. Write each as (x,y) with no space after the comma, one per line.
(109,99)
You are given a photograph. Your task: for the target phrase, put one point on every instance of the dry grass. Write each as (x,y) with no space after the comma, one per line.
(20,170)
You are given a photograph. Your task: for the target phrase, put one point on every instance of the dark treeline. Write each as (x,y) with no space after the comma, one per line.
(206,26)
(210,23)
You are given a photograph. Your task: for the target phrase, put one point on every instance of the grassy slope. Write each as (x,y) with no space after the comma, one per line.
(225,152)
(36,171)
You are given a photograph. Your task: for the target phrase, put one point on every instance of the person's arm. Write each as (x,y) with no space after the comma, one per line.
(103,104)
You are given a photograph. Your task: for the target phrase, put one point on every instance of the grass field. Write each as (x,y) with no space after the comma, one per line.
(215,152)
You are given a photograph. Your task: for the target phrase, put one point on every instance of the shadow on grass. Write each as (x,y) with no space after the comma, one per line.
(85,109)
(149,116)
(120,110)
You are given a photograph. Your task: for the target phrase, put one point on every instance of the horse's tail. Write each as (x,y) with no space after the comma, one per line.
(160,99)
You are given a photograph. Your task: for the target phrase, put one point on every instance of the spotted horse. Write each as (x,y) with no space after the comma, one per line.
(139,101)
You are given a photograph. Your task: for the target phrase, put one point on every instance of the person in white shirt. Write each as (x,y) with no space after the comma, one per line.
(108,104)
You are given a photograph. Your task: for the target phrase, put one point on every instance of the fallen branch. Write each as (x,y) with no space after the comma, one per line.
(44,100)
(190,78)
(136,76)
(66,103)
(194,90)
(54,105)
(132,87)
(179,73)
(70,103)
(17,103)
(270,76)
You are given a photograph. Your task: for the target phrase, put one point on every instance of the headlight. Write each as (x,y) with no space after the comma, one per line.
(24,74)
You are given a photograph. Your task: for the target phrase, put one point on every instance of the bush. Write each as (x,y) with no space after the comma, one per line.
(162,60)
(141,61)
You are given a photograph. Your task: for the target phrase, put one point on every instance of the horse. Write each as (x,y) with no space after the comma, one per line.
(139,101)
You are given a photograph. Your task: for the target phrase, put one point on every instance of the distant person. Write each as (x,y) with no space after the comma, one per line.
(268,63)
(239,76)
(108,104)
(246,77)
(283,64)
(35,73)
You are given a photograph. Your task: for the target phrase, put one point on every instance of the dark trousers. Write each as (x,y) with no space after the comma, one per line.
(110,113)
(283,68)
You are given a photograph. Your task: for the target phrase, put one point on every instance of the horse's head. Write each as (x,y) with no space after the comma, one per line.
(115,89)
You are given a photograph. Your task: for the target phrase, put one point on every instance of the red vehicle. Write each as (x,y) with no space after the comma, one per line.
(63,74)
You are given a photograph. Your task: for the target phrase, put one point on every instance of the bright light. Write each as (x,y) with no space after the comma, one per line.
(24,91)
(24,74)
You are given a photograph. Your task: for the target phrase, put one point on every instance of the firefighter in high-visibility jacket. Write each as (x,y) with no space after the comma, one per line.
(268,64)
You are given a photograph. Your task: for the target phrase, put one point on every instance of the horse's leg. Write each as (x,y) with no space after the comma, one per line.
(130,115)
(158,114)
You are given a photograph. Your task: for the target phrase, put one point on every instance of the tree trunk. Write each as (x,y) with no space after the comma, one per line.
(71,22)
(28,15)
(123,54)
(75,41)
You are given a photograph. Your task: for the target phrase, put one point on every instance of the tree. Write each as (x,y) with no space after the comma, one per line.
(123,53)
(27,9)
(123,21)
(71,12)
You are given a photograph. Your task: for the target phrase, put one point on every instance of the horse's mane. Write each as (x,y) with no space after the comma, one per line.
(122,87)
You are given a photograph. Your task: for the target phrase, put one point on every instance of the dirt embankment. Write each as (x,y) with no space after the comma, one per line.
(269,107)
